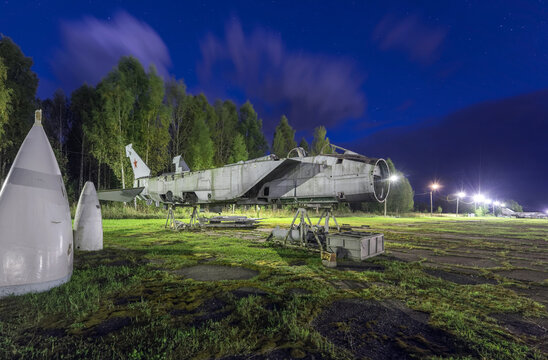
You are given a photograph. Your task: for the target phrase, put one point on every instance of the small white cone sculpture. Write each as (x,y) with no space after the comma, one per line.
(36,248)
(88,225)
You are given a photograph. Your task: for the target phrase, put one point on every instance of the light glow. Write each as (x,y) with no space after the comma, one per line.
(461,194)
(435,186)
(478,198)
(393,178)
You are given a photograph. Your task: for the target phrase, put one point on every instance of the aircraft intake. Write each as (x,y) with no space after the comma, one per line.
(381,182)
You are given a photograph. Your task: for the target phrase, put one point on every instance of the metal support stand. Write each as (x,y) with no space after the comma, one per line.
(170,218)
(327,213)
(304,225)
(194,217)
(178,225)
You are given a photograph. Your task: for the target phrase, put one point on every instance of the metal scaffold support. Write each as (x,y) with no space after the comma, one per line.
(170,221)
(178,225)
(327,214)
(194,218)
(304,226)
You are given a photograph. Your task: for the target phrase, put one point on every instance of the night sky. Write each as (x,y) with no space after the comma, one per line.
(453,91)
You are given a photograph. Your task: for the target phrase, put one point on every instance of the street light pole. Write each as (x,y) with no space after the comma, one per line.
(460,194)
(392,179)
(433,187)
(431,210)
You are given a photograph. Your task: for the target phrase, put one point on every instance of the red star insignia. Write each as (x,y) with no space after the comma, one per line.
(135,162)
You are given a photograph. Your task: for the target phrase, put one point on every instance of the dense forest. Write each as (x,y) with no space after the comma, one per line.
(89,128)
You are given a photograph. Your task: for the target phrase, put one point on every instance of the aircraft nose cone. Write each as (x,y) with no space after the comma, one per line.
(35,226)
(88,225)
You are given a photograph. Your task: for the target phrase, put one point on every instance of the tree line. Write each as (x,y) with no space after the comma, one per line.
(89,129)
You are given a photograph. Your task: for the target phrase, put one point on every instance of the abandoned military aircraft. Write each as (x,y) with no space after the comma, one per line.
(324,179)
(319,181)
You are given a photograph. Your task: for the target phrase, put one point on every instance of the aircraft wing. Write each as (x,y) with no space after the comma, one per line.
(122,195)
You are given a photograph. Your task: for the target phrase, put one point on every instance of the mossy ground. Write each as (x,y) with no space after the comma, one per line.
(129,300)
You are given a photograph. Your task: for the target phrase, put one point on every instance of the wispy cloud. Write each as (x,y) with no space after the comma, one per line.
(309,89)
(408,34)
(92,47)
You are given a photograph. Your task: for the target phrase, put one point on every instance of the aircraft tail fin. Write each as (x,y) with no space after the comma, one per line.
(140,169)
(180,165)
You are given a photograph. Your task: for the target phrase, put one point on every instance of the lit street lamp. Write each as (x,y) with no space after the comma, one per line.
(460,195)
(490,202)
(478,198)
(433,187)
(392,179)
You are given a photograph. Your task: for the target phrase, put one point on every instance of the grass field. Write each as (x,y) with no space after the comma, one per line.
(446,288)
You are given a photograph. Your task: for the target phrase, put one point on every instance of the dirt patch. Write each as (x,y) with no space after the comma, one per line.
(109,257)
(467,237)
(127,300)
(214,317)
(461,279)
(373,330)
(518,325)
(536,292)
(349,284)
(54,332)
(390,258)
(111,325)
(213,309)
(206,260)
(212,305)
(216,273)
(410,255)
(527,264)
(358,266)
(278,354)
(524,275)
(535,329)
(299,291)
(247,291)
(464,261)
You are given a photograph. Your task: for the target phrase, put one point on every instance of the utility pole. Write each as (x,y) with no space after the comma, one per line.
(433,187)
(431,210)
(391,179)
(460,194)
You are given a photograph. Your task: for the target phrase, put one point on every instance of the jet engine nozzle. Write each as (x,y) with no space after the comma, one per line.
(381,180)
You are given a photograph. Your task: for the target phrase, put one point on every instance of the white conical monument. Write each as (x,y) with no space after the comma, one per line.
(36,249)
(88,225)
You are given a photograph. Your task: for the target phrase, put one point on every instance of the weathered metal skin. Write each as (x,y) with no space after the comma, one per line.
(36,244)
(88,224)
(322,179)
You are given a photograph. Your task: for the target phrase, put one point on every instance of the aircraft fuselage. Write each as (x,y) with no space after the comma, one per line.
(322,179)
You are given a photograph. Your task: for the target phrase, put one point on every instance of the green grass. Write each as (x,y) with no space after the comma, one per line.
(140,257)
